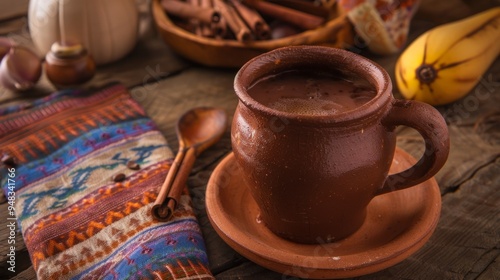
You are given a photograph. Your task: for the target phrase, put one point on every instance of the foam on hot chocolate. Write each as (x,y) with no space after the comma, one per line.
(311,93)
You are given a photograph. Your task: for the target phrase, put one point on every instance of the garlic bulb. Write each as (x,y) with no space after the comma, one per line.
(20,69)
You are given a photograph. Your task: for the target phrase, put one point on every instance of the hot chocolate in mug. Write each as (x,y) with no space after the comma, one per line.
(314,135)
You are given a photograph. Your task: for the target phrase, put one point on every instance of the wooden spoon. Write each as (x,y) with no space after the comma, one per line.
(197,129)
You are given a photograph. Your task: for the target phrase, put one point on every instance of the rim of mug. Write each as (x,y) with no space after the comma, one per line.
(378,78)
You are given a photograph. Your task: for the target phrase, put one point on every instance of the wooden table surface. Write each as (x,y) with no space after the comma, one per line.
(466,243)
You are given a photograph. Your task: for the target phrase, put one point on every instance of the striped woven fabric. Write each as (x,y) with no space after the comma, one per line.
(76,221)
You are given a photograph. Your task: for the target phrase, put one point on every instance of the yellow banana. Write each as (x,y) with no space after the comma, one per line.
(445,63)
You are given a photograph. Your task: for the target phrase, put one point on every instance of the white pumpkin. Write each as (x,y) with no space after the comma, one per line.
(107,28)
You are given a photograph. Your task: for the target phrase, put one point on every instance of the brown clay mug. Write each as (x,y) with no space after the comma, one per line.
(313,176)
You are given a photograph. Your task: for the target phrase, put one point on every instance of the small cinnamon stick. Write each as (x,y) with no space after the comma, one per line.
(200,28)
(187,11)
(195,23)
(297,18)
(252,19)
(235,23)
(171,191)
(219,28)
(161,210)
(206,30)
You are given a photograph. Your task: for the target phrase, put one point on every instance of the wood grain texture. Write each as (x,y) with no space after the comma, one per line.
(12,25)
(451,10)
(249,270)
(166,100)
(11,9)
(26,274)
(466,241)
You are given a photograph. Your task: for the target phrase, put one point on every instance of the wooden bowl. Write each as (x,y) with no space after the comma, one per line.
(337,32)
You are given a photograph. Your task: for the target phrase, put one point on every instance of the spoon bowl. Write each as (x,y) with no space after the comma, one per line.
(201,127)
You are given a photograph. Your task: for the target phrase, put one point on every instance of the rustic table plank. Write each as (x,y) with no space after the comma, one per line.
(451,10)
(11,9)
(249,270)
(166,100)
(12,25)
(466,242)
(492,271)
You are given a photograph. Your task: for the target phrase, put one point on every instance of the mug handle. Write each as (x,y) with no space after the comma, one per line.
(431,125)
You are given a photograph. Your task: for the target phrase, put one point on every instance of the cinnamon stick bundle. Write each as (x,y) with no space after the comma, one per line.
(295,17)
(221,19)
(187,11)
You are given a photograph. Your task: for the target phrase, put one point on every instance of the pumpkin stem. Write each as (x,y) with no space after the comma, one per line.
(66,51)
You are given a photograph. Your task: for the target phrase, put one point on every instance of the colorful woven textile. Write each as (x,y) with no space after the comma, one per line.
(76,221)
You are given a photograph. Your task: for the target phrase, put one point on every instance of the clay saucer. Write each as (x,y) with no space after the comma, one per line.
(397,225)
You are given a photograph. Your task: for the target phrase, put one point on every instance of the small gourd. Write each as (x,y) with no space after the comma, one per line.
(67,65)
